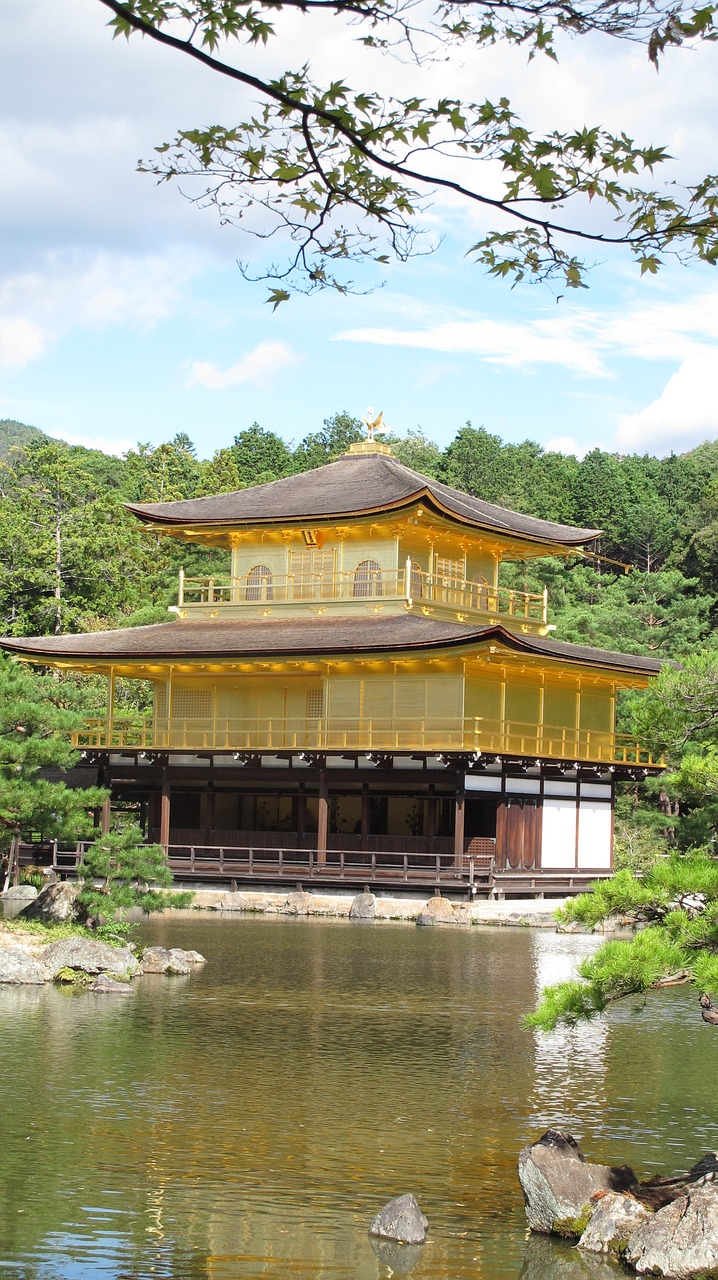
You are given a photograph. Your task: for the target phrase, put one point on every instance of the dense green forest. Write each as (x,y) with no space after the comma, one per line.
(71,559)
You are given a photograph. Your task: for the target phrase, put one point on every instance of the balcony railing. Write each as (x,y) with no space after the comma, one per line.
(408,584)
(378,733)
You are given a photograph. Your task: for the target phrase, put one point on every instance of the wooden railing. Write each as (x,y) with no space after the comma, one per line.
(287,863)
(408,584)
(378,733)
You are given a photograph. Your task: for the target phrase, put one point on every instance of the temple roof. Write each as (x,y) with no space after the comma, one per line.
(283,637)
(355,485)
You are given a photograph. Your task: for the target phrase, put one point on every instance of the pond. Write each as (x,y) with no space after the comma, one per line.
(249,1120)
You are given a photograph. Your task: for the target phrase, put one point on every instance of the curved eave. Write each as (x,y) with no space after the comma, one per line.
(107,651)
(423,496)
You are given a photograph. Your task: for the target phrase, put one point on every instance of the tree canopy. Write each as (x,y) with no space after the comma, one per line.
(339,174)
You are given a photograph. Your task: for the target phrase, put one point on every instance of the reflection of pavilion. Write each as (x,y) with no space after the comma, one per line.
(360,697)
(570,1063)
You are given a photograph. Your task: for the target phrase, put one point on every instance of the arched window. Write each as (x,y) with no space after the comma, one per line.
(367,579)
(259,583)
(416,581)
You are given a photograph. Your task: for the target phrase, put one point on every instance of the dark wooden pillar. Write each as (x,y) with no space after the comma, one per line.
(323,817)
(431,814)
(460,806)
(365,815)
(165,810)
(301,815)
(106,816)
(209,813)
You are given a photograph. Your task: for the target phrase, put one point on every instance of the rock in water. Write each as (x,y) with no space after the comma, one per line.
(681,1239)
(90,957)
(159,960)
(437,911)
(20,969)
(401,1220)
(613,1218)
(109,986)
(55,903)
(363,907)
(558,1184)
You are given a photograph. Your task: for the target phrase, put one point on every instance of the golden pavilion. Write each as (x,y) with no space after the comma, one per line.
(360,699)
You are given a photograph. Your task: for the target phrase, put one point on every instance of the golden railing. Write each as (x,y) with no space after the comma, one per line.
(376,733)
(408,584)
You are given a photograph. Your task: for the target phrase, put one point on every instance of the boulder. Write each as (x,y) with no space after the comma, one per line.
(53,904)
(401,1220)
(19,968)
(363,907)
(20,893)
(437,911)
(105,985)
(558,1184)
(297,904)
(159,960)
(613,1218)
(90,957)
(681,1239)
(660,1190)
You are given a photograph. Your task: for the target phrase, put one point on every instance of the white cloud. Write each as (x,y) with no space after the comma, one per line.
(257,366)
(685,414)
(567,445)
(20,342)
(107,445)
(565,341)
(76,291)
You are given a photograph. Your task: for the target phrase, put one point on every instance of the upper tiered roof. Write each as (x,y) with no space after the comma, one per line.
(359,484)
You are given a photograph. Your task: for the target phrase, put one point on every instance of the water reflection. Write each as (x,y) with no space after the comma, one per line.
(252,1121)
(570,1064)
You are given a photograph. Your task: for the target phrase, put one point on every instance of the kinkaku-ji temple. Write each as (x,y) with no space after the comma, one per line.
(361,701)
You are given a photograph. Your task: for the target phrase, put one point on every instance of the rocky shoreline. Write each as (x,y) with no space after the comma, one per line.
(667,1226)
(27,959)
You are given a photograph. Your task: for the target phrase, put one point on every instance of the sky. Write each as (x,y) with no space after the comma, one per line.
(124,316)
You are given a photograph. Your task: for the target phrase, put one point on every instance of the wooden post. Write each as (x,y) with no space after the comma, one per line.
(459,826)
(209,814)
(323,817)
(106,816)
(301,816)
(431,806)
(365,815)
(165,810)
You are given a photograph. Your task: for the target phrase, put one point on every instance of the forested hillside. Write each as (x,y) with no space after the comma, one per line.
(71,559)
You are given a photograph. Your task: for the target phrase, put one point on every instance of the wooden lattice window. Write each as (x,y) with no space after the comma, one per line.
(315,704)
(449,572)
(259,583)
(312,574)
(367,579)
(417,586)
(192,704)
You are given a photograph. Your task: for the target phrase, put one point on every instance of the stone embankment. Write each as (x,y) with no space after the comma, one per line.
(664,1227)
(537,912)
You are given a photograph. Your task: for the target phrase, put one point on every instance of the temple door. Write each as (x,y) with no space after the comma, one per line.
(518,834)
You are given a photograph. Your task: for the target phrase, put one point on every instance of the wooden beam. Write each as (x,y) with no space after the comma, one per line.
(165,810)
(459,811)
(365,815)
(323,817)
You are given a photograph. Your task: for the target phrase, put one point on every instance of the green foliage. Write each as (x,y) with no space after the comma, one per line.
(678,897)
(34,734)
(340,175)
(119,872)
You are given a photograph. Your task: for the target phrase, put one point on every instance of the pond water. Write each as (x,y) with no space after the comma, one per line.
(249,1120)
